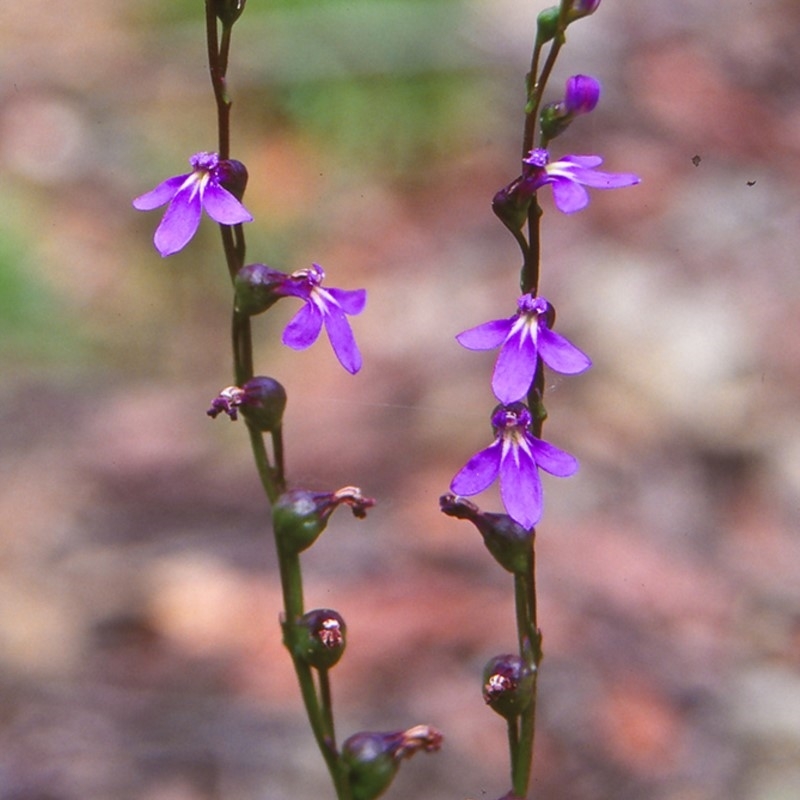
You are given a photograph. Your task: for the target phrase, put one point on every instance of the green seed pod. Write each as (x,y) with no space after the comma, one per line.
(509,543)
(300,516)
(372,759)
(318,638)
(511,205)
(263,403)
(370,762)
(256,288)
(508,685)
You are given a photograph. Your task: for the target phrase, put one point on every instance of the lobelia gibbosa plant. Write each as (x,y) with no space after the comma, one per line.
(527,344)
(364,765)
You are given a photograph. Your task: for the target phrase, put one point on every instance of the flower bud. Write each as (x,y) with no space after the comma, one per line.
(300,516)
(506,540)
(318,637)
(256,288)
(228,11)
(372,759)
(580,97)
(232,175)
(508,685)
(547,25)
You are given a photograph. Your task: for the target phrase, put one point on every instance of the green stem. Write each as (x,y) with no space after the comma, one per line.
(318,704)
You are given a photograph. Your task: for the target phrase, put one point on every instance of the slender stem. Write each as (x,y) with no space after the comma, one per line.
(327,704)
(318,704)
(217,66)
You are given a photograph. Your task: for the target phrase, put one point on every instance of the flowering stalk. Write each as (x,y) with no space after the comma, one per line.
(367,762)
(527,344)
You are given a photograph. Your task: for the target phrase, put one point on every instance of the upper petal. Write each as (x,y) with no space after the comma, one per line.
(163,193)
(352,301)
(342,340)
(223,207)
(521,488)
(179,223)
(486,336)
(479,472)
(303,328)
(552,459)
(581,161)
(560,354)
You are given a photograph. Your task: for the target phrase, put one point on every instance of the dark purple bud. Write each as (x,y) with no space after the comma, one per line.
(232,175)
(228,11)
(263,403)
(256,288)
(318,637)
(300,516)
(509,543)
(372,759)
(508,685)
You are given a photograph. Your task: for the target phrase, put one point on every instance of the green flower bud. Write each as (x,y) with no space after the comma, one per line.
(300,516)
(547,25)
(318,638)
(506,540)
(508,685)
(372,759)
(263,403)
(256,288)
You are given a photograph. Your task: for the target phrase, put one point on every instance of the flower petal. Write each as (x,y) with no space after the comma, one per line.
(568,195)
(223,207)
(352,301)
(604,180)
(479,472)
(303,328)
(552,459)
(163,193)
(486,336)
(581,161)
(521,488)
(342,340)
(179,223)
(515,367)
(560,354)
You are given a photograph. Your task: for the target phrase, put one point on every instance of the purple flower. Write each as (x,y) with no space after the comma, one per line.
(323,305)
(582,95)
(569,176)
(188,195)
(524,338)
(516,457)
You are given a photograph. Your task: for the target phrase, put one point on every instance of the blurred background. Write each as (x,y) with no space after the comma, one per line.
(140,655)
